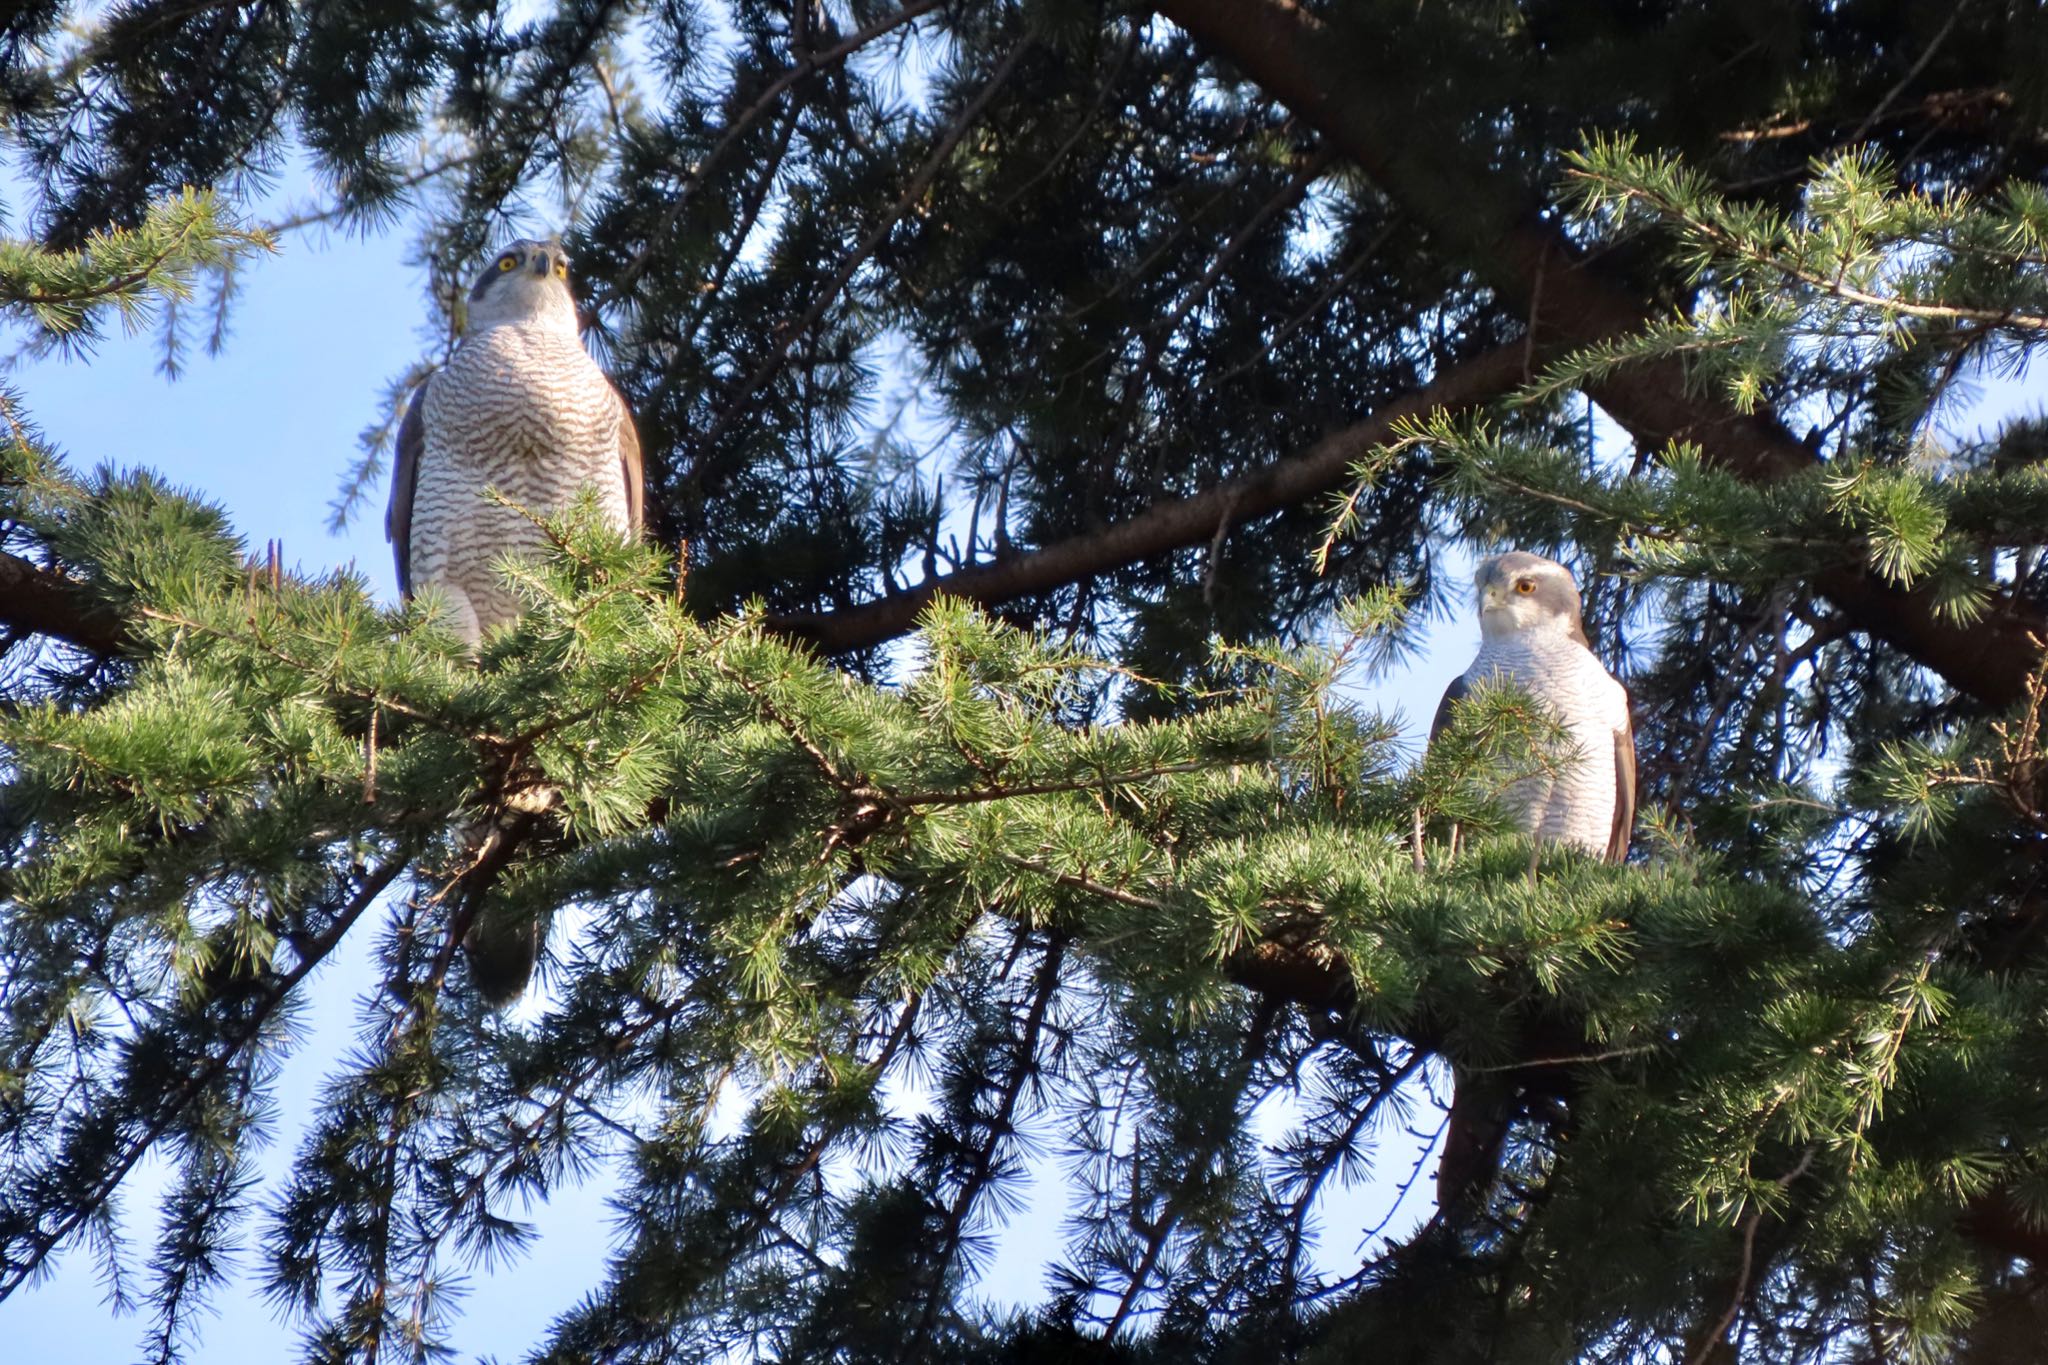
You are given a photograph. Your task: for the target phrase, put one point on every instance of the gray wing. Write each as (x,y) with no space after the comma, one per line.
(1624,791)
(405,477)
(1458,688)
(630,467)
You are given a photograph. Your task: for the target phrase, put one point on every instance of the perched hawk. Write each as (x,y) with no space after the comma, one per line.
(1530,635)
(520,407)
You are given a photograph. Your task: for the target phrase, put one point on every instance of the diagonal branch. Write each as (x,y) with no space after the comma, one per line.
(41,601)
(1333,1154)
(1162,1228)
(138,1138)
(1170,524)
(738,404)
(1704,1351)
(811,64)
(998,1129)
(1290,54)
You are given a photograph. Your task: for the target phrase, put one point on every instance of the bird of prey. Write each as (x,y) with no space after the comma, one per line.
(520,407)
(1531,636)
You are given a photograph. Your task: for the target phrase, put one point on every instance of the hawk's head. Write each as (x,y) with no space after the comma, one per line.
(1521,592)
(527,281)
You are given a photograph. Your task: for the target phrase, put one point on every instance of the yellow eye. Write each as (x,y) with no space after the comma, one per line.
(561,270)
(1525,586)
(508,262)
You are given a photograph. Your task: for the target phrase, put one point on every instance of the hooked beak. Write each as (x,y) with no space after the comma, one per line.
(542,264)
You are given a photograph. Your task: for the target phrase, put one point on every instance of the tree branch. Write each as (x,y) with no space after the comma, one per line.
(43,601)
(1477,214)
(1704,1350)
(138,1135)
(738,403)
(996,1129)
(1290,54)
(1168,525)
(810,65)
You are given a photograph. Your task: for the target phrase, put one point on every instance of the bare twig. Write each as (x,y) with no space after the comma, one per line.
(809,65)
(1088,884)
(1704,1351)
(1884,105)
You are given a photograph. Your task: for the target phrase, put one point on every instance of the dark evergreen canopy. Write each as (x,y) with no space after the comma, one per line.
(1241,319)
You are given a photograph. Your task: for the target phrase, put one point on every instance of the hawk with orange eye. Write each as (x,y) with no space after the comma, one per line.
(1531,636)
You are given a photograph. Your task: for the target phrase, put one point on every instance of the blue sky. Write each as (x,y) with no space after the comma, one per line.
(268,430)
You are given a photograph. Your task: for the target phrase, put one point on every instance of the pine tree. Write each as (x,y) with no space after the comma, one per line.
(1038,769)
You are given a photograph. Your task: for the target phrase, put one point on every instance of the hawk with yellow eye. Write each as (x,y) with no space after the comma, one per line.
(522,408)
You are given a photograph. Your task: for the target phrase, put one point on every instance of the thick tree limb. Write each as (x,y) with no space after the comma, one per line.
(39,601)
(1999,1220)
(1478,215)
(1170,525)
(1291,55)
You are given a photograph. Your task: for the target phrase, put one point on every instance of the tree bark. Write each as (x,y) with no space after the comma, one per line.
(39,601)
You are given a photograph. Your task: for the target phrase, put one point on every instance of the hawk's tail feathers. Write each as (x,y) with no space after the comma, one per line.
(502,946)
(500,940)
